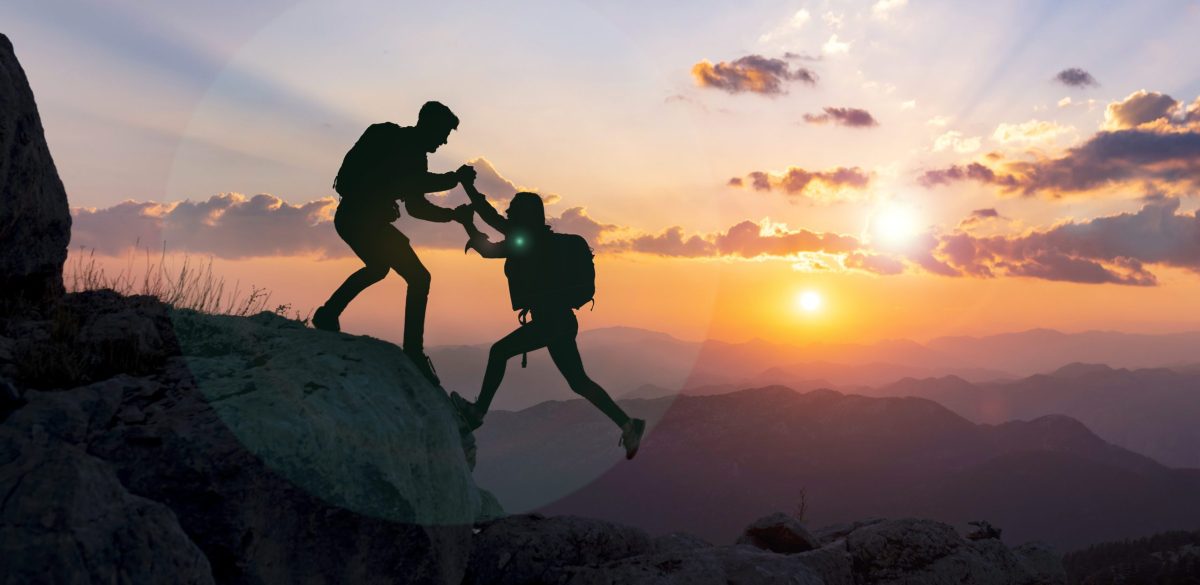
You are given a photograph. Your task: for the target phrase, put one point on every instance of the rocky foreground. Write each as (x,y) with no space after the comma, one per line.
(192,448)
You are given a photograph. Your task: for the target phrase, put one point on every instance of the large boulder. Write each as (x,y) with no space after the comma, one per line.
(287,455)
(35,222)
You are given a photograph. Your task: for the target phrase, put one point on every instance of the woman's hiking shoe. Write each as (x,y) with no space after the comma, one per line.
(424,365)
(467,412)
(631,436)
(325,320)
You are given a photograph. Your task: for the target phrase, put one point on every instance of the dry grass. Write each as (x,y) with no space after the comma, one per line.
(801,508)
(192,285)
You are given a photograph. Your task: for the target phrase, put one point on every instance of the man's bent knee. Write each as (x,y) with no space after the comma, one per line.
(417,279)
(376,272)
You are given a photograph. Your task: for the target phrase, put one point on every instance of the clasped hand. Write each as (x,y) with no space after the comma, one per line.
(466,177)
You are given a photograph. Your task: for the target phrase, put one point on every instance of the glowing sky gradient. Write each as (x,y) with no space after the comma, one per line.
(650,116)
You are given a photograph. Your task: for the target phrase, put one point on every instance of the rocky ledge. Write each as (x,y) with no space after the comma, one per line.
(230,450)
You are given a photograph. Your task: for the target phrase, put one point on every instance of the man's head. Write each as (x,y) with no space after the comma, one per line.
(434,122)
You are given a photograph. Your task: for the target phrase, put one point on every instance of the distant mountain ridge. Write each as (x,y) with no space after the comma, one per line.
(624,359)
(1155,411)
(710,460)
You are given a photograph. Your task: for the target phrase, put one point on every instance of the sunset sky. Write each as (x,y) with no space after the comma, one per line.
(922,168)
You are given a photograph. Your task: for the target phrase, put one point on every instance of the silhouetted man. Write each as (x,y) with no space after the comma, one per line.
(549,275)
(388,163)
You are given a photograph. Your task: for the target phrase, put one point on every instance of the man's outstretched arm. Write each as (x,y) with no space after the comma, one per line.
(485,210)
(420,207)
(427,183)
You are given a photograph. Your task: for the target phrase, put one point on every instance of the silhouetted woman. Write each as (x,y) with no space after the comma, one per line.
(529,248)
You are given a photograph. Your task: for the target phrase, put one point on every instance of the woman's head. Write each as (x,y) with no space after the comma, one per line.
(526,210)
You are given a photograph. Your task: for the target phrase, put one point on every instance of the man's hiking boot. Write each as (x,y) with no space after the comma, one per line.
(325,320)
(631,436)
(468,413)
(424,365)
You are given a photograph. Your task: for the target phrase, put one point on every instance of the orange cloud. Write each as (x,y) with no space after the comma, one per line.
(752,73)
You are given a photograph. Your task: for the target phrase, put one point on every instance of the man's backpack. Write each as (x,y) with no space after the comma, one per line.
(559,272)
(364,164)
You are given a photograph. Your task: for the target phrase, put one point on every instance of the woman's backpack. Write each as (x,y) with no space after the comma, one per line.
(557,270)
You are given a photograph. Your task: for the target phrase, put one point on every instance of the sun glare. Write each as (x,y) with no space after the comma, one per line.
(895,224)
(809,301)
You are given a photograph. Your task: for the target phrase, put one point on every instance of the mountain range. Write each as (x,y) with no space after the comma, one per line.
(710,461)
(1155,411)
(639,363)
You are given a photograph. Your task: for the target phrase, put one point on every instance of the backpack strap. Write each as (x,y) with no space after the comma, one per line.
(523,319)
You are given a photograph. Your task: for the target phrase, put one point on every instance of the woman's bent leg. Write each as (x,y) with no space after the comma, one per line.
(524,339)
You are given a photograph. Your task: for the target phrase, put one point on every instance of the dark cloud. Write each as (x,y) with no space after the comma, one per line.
(1112,249)
(979,216)
(1114,157)
(1076,77)
(973,172)
(752,73)
(853,117)
(828,185)
(1106,159)
(1148,137)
